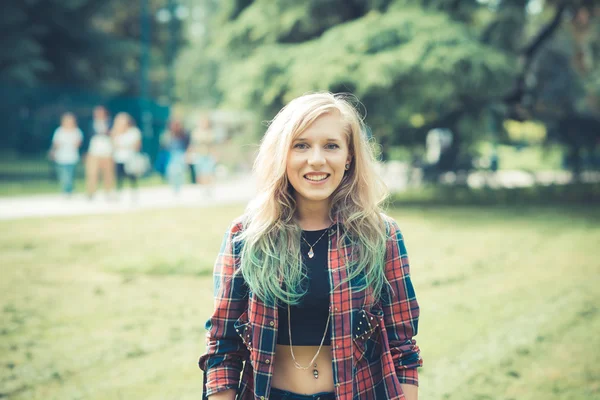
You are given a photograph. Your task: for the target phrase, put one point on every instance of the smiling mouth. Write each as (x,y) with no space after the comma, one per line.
(316,177)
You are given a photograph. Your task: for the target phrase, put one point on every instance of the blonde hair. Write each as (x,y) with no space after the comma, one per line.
(271,263)
(119,127)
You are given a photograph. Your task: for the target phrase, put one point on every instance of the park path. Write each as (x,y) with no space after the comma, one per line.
(237,190)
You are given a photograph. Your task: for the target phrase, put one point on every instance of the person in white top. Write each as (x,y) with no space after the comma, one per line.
(127,141)
(66,141)
(99,159)
(201,152)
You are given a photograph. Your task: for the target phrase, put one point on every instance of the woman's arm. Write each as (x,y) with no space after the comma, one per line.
(228,394)
(54,145)
(138,143)
(79,138)
(411,392)
(401,313)
(113,138)
(137,146)
(225,351)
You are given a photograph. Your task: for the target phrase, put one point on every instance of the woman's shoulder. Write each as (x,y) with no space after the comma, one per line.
(238,225)
(134,131)
(391,226)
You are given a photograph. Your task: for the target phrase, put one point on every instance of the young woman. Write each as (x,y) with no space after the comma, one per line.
(99,159)
(313,295)
(127,140)
(200,153)
(175,141)
(65,151)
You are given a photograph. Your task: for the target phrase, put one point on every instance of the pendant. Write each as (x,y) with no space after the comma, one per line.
(311,253)
(316,373)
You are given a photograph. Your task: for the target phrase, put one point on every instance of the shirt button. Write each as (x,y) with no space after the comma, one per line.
(272,323)
(268,361)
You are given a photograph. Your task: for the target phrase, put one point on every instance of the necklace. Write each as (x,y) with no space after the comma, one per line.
(311,253)
(312,362)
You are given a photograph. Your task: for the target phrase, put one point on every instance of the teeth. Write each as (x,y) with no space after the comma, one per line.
(316,177)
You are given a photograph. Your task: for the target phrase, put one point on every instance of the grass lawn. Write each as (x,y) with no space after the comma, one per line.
(23,176)
(50,186)
(113,306)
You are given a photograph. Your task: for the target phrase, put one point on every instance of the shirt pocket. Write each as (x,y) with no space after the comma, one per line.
(244,329)
(366,334)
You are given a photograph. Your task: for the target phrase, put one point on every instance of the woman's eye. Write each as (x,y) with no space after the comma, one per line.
(332,146)
(301,146)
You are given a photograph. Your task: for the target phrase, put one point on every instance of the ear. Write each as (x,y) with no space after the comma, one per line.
(349,159)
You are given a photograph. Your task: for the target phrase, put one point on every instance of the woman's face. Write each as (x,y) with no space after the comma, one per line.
(100,113)
(68,122)
(317,158)
(175,126)
(121,122)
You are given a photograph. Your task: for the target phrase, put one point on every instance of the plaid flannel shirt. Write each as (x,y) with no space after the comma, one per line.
(372,342)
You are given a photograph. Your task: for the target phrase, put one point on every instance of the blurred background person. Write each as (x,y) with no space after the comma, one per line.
(99,159)
(66,141)
(162,157)
(127,142)
(201,153)
(197,136)
(175,142)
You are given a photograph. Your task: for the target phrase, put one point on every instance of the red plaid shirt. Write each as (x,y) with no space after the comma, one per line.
(370,360)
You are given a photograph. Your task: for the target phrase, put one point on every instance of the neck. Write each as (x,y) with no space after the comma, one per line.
(313,216)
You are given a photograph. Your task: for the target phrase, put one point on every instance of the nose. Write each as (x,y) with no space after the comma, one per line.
(316,157)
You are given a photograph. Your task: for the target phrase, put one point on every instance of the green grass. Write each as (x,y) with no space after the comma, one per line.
(23,176)
(49,186)
(113,306)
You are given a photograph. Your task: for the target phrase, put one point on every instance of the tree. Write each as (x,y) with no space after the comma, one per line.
(73,54)
(401,61)
(80,43)
(415,64)
(565,92)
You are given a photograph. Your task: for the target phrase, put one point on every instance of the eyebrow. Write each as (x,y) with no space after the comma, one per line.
(302,139)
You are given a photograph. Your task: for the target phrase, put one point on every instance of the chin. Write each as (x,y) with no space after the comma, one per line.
(316,197)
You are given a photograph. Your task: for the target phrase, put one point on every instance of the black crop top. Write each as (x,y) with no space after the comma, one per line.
(309,318)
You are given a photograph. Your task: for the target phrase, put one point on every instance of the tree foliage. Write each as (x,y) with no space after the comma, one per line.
(415,64)
(93,44)
(400,60)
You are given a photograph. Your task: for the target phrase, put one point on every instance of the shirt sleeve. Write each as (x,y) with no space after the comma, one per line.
(401,309)
(225,351)
(56,136)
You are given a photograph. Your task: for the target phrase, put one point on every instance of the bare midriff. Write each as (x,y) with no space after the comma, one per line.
(287,377)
